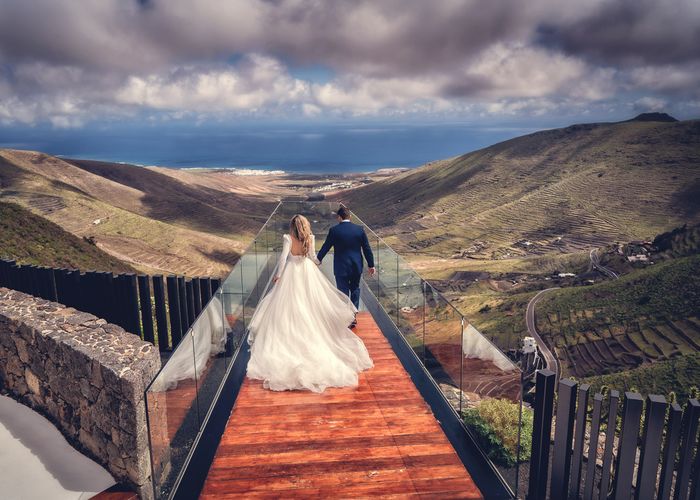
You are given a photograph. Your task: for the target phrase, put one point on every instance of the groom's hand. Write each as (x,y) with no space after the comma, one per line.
(372,271)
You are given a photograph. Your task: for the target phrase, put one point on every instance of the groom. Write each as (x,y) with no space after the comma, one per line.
(349,242)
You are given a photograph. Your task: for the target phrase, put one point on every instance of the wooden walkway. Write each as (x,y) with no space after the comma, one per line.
(379,439)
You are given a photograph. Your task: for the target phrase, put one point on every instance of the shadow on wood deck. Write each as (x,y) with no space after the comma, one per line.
(380,438)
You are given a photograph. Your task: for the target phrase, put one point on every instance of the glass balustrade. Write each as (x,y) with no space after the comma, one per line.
(480,383)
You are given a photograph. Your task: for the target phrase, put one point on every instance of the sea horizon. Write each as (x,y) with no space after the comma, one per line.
(300,150)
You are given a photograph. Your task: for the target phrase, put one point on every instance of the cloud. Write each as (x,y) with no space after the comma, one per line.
(257,82)
(630,32)
(70,62)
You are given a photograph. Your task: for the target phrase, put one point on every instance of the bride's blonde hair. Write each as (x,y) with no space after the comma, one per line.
(300,228)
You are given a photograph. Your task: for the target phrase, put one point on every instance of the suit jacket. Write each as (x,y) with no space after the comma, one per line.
(349,242)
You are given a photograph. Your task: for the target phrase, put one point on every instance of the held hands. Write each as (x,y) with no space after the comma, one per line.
(372,271)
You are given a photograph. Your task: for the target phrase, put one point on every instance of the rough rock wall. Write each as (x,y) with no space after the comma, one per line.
(84,374)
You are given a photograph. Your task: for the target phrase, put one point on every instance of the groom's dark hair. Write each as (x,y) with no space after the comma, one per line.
(343,212)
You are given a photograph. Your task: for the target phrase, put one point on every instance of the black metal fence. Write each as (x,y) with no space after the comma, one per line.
(159,311)
(654,457)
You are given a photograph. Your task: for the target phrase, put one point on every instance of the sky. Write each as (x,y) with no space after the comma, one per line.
(75,64)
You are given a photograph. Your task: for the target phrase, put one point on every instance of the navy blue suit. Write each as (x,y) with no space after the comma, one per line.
(349,242)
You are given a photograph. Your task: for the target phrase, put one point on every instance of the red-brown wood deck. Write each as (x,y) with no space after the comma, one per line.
(379,439)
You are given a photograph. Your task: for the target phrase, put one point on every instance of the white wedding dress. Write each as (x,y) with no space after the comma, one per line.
(299,332)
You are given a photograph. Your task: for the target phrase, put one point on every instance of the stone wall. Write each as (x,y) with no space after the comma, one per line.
(84,374)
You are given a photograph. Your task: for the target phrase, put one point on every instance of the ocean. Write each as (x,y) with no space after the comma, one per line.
(317,149)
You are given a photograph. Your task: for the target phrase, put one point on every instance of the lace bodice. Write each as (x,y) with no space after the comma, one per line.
(287,253)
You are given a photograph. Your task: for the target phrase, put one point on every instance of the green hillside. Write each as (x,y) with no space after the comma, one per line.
(645,317)
(30,239)
(147,219)
(562,190)
(678,375)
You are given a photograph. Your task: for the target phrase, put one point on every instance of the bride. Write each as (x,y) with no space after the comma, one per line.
(299,332)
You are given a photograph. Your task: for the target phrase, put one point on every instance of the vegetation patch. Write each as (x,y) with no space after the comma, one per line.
(31,239)
(495,425)
(678,375)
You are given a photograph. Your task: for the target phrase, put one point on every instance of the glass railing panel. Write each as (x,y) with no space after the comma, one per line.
(248,271)
(411,311)
(234,281)
(173,416)
(492,406)
(442,344)
(234,321)
(211,352)
(386,264)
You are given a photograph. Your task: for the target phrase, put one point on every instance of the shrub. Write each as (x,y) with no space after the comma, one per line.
(495,424)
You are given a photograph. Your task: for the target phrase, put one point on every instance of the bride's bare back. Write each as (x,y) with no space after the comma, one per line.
(297,247)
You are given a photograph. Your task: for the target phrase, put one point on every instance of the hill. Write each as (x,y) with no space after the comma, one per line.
(153,221)
(647,316)
(30,239)
(556,191)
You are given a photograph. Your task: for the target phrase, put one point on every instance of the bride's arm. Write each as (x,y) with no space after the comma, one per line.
(286,246)
(312,250)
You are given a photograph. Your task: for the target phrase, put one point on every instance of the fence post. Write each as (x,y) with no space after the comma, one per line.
(51,275)
(189,291)
(174,307)
(205,285)
(627,447)
(132,303)
(593,446)
(77,281)
(146,309)
(654,420)
(215,284)
(111,294)
(4,266)
(609,440)
(673,437)
(161,316)
(184,316)
(541,434)
(563,434)
(579,436)
(690,431)
(197,292)
(14,276)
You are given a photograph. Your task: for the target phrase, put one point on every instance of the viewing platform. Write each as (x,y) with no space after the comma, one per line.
(440,415)
(378,438)
(400,433)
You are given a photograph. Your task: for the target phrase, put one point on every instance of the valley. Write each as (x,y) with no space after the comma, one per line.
(575,209)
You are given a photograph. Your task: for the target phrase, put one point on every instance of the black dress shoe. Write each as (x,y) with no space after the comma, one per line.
(353,324)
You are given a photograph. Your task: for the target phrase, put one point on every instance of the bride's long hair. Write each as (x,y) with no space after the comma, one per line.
(300,228)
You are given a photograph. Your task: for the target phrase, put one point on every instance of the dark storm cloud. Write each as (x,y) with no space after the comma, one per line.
(388,37)
(68,60)
(630,32)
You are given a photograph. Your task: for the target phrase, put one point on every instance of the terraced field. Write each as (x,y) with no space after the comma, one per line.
(648,316)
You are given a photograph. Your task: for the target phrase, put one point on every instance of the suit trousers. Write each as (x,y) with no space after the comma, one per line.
(350,285)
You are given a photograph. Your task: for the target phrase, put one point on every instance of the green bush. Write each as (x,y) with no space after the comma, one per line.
(495,424)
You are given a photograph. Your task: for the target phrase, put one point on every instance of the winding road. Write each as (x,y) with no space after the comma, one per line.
(595,262)
(549,357)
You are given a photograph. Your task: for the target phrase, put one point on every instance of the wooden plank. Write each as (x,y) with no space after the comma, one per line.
(379,438)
